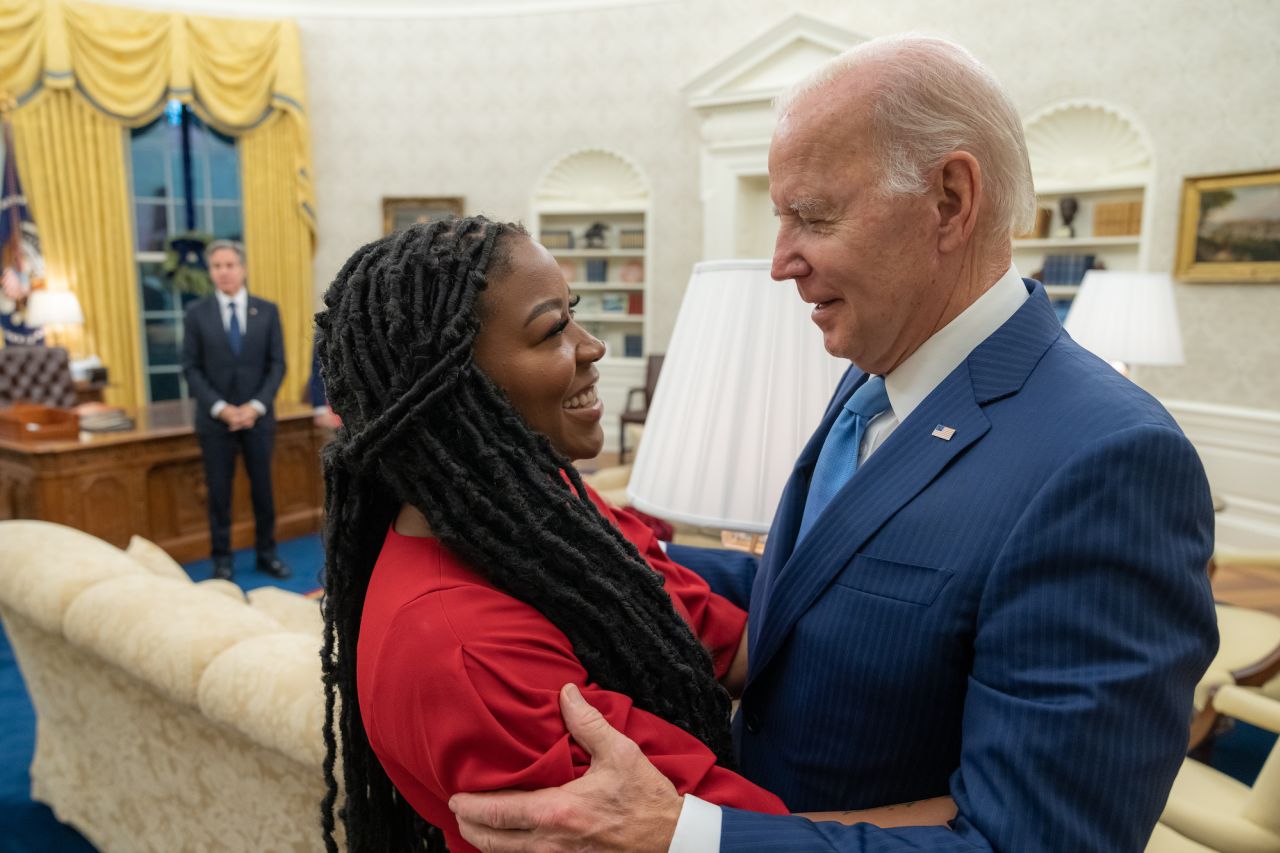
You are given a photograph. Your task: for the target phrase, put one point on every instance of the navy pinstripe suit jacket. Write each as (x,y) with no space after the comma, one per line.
(1016,616)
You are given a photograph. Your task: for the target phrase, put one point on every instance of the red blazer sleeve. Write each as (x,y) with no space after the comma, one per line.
(716,621)
(466,689)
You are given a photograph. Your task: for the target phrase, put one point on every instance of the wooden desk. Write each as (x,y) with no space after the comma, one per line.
(150,481)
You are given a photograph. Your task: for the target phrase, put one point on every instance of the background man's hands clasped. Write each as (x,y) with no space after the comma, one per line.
(238,417)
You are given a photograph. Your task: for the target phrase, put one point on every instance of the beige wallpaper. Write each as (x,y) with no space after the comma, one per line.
(478,107)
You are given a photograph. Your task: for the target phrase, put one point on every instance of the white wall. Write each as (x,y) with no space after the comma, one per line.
(479,106)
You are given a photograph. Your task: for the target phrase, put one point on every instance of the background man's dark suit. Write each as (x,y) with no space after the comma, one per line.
(215,373)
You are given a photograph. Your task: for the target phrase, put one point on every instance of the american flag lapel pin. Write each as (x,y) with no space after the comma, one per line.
(943,432)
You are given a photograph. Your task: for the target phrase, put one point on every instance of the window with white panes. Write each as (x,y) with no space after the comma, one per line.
(185,177)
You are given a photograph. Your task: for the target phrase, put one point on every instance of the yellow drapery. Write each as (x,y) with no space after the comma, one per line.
(243,77)
(72,162)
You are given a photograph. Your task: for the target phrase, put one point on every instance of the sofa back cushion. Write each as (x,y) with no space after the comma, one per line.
(295,612)
(155,559)
(45,566)
(162,631)
(270,688)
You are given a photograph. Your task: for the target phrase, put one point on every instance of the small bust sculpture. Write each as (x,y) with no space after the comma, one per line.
(594,236)
(1068,206)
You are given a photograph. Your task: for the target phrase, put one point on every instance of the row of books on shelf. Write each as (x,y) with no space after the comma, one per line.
(594,237)
(611,303)
(619,344)
(597,270)
(1066,269)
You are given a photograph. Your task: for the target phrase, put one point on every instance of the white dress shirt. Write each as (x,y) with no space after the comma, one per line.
(698,828)
(241,303)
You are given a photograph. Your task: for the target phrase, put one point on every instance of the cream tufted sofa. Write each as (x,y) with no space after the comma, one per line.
(170,715)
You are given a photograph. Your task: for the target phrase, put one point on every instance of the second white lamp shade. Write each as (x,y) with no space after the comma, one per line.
(1127,317)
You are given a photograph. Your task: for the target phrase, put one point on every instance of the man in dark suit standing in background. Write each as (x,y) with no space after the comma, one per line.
(233,359)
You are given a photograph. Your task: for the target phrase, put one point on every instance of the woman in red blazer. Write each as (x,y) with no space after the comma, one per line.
(470,574)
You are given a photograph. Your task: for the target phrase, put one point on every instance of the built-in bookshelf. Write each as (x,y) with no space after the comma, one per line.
(592,211)
(1099,157)
(602,255)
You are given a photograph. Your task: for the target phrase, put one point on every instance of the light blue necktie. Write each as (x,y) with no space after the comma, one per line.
(839,457)
(233,330)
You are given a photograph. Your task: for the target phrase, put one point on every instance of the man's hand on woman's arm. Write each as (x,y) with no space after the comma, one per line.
(621,804)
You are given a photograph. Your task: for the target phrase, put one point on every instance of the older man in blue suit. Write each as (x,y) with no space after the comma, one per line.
(985,579)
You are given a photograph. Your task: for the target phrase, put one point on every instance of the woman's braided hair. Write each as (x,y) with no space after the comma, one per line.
(422,425)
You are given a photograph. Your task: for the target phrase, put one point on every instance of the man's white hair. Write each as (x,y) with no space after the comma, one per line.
(930,98)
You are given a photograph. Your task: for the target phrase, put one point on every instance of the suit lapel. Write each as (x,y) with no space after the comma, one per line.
(912,457)
(252,323)
(899,469)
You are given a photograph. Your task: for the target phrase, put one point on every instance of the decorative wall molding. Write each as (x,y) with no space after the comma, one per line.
(592,178)
(1084,143)
(1240,449)
(734,101)
(382,9)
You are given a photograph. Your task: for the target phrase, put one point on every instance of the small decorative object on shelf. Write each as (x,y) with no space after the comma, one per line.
(556,238)
(635,302)
(632,272)
(569,270)
(613,303)
(594,236)
(633,346)
(631,238)
(597,270)
(1041,229)
(1068,206)
(588,303)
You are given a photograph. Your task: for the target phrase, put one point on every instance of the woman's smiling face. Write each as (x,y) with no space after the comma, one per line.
(530,346)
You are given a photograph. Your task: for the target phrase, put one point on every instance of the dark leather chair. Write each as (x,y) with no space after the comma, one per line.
(636,414)
(36,375)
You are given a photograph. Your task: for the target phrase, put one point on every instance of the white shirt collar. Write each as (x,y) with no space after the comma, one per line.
(923,370)
(240,300)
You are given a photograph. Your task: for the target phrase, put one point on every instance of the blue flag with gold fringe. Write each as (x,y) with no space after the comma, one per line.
(20,258)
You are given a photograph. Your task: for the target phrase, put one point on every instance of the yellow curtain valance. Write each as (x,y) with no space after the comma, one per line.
(243,77)
(129,62)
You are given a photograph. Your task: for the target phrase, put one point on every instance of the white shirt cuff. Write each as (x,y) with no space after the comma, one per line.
(698,829)
(258,407)
(217,408)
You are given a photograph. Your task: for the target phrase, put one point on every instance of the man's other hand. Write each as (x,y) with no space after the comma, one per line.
(248,416)
(622,803)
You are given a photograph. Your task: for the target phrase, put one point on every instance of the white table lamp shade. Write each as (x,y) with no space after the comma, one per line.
(744,384)
(53,308)
(1127,317)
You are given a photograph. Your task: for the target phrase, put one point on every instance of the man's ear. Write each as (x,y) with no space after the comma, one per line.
(959,185)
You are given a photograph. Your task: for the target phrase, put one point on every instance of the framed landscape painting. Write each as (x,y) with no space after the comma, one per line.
(1230,228)
(400,212)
